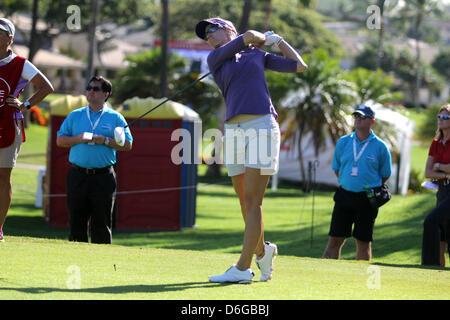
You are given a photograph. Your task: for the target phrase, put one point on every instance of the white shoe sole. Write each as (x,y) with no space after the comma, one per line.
(235,282)
(223,279)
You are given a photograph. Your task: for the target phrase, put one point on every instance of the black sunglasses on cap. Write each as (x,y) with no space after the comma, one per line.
(360,116)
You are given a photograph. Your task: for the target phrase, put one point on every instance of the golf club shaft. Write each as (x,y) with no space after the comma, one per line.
(169,98)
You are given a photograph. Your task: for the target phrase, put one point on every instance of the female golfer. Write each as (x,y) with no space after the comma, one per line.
(15,73)
(436,227)
(252,135)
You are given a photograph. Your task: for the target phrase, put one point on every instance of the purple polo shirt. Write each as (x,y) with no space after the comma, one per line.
(239,72)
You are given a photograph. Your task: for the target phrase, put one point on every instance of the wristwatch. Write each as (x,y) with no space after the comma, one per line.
(106,141)
(438,165)
(27,105)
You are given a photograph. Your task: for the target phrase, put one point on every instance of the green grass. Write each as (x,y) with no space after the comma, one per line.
(418,117)
(419,152)
(176,265)
(419,156)
(34,149)
(52,269)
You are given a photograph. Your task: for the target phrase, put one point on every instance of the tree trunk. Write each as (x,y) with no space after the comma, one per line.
(246,10)
(90,72)
(268,14)
(380,35)
(164,47)
(33,47)
(33,43)
(418,61)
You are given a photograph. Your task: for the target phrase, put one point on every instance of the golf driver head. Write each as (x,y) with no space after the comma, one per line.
(119,136)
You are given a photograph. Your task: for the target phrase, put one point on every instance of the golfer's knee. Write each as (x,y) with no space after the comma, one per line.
(333,248)
(335,243)
(252,203)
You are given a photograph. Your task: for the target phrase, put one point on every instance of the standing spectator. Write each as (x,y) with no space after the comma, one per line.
(436,227)
(238,69)
(91,180)
(15,73)
(361,161)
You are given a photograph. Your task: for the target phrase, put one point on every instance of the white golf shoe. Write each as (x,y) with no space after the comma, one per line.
(265,264)
(234,275)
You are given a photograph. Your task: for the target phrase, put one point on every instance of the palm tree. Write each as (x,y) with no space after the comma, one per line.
(376,86)
(372,85)
(141,77)
(321,101)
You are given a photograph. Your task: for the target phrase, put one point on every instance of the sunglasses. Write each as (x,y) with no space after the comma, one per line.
(95,89)
(358,116)
(443,116)
(213,29)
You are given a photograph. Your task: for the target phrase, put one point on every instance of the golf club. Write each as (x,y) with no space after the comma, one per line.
(119,132)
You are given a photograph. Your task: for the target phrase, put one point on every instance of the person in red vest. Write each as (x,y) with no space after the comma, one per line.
(436,226)
(15,73)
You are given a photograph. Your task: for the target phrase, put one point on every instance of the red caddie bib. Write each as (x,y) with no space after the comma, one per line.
(10,75)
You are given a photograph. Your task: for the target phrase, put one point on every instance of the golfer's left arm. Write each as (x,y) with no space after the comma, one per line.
(289,52)
(100,139)
(126,147)
(386,168)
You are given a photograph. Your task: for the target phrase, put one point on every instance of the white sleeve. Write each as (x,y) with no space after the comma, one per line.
(29,71)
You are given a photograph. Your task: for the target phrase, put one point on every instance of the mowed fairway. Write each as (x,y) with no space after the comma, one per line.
(37,262)
(55,269)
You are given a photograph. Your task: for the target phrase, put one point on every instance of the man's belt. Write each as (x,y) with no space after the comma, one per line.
(92,170)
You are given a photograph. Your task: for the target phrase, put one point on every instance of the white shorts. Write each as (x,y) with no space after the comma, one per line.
(252,144)
(8,155)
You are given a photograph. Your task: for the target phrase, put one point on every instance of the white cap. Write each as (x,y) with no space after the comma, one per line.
(7,26)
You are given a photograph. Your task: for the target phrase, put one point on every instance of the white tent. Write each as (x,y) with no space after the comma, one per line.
(290,165)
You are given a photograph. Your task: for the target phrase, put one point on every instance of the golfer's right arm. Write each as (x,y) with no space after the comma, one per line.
(68,141)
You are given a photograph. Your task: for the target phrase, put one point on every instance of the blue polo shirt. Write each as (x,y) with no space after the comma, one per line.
(93,156)
(373,165)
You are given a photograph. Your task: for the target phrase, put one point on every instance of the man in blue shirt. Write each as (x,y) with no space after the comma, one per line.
(91,180)
(361,161)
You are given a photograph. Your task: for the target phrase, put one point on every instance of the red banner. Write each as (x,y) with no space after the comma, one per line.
(184,44)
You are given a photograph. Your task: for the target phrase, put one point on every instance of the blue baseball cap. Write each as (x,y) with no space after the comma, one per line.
(201,26)
(365,111)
